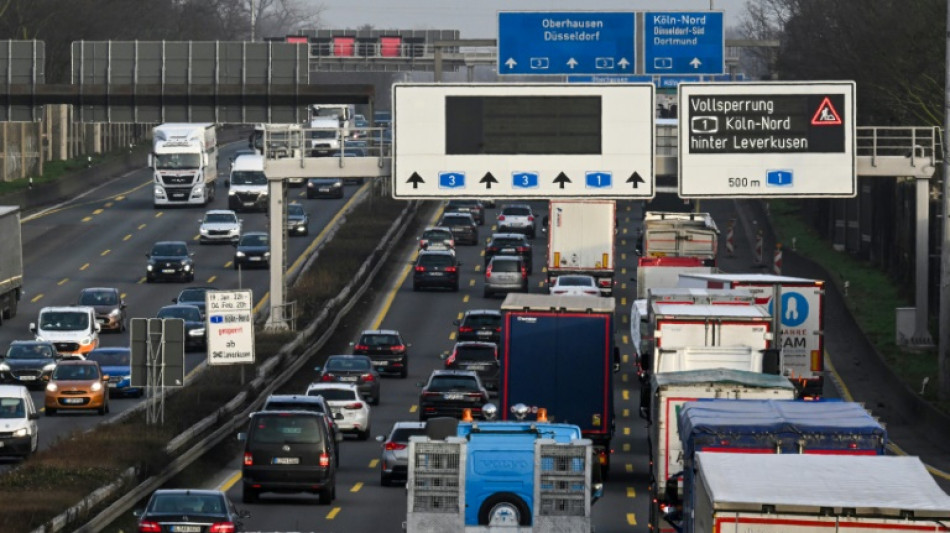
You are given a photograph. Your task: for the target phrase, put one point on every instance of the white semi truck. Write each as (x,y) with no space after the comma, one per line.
(184,160)
(11,261)
(581,236)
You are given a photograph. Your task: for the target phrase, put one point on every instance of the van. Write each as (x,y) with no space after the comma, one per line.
(73,330)
(19,433)
(247,185)
(286,452)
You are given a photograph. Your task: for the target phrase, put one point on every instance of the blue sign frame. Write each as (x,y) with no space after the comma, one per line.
(683,42)
(560,43)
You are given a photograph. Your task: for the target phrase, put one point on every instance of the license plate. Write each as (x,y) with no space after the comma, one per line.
(103,321)
(453,395)
(72,400)
(27,378)
(253,258)
(248,204)
(286,461)
(437,274)
(484,334)
(324,189)
(185,529)
(348,378)
(476,367)
(507,250)
(168,271)
(382,363)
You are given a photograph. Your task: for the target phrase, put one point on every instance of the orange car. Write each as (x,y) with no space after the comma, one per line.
(77,384)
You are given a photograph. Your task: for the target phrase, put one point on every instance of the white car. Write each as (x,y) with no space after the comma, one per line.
(437,238)
(219,225)
(517,218)
(346,400)
(575,285)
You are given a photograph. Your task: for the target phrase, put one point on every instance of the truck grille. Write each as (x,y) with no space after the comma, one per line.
(562,484)
(248,196)
(66,346)
(436,478)
(177,180)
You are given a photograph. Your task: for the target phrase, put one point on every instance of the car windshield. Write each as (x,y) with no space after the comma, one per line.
(516,211)
(110,358)
(507,241)
(348,365)
(12,408)
(248,177)
(177,161)
(30,351)
(187,313)
(64,321)
(449,220)
(254,240)
(403,434)
(379,339)
(192,295)
(295,209)
(220,218)
(290,405)
(437,235)
(504,266)
(436,260)
(75,372)
(335,394)
(575,281)
(170,250)
(190,504)
(482,320)
(285,429)
(98,298)
(452,383)
(475,353)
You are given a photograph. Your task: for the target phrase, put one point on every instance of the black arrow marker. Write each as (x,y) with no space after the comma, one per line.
(488,179)
(635,179)
(561,179)
(415,180)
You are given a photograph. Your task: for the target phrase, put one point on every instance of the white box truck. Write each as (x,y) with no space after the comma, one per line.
(581,235)
(799,322)
(11,261)
(793,493)
(664,272)
(660,405)
(668,234)
(184,160)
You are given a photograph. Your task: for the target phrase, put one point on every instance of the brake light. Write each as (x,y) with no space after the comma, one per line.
(558,291)
(488,272)
(498,328)
(530,218)
(328,377)
(524,273)
(397,348)
(390,446)
(150,527)
(450,359)
(491,249)
(450,242)
(451,269)
(501,217)
(420,269)
(324,459)
(428,394)
(222,527)
(248,459)
(362,346)
(605,282)
(522,249)
(465,329)
(423,244)
(367,377)
(354,405)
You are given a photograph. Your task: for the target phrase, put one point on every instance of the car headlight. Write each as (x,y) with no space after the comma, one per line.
(197,332)
(85,341)
(96,387)
(203,231)
(20,432)
(238,254)
(48,368)
(186,267)
(338,184)
(115,312)
(159,191)
(149,267)
(4,367)
(51,387)
(266,254)
(231,193)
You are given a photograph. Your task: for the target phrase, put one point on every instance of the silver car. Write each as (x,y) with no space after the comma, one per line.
(219,225)
(345,399)
(394,463)
(517,218)
(505,273)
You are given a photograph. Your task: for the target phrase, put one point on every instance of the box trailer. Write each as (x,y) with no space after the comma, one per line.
(581,236)
(11,261)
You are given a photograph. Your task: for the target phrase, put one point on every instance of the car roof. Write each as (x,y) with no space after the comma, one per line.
(436,252)
(347,356)
(323,386)
(264,233)
(412,424)
(175,306)
(508,236)
(198,287)
(220,212)
(286,412)
(379,332)
(494,312)
(61,308)
(474,344)
(439,228)
(302,398)
(78,362)
(90,289)
(516,205)
(170,242)
(13,391)
(457,214)
(506,258)
(30,343)
(184,492)
(453,373)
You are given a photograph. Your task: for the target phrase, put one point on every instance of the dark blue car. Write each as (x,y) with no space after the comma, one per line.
(117,364)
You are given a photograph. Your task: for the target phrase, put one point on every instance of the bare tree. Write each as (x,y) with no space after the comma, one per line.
(273,18)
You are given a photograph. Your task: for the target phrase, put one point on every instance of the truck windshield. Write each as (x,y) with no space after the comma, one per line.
(334,112)
(323,134)
(177,161)
(248,177)
(64,321)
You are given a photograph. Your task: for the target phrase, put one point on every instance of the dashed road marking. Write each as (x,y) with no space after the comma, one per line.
(460,316)
(631,519)
(626,339)
(626,431)
(466,298)
(212,278)
(452,336)
(141,226)
(97,212)
(104,253)
(86,219)
(63,281)
(374,463)
(127,237)
(625,413)
(413,408)
(159,214)
(626,394)
(626,358)
(628,467)
(36,298)
(471,283)
(333,512)
(229,264)
(626,447)
(631,493)
(84,267)
(623,377)
(357,487)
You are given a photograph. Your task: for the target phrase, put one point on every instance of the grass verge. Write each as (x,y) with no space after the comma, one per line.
(58,477)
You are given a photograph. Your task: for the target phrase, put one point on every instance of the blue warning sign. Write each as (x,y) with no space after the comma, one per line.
(794,309)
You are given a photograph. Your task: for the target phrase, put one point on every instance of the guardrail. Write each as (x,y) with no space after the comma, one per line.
(913,142)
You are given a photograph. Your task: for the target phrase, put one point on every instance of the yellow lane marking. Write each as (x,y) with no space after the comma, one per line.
(141,226)
(482,253)
(63,281)
(626,446)
(478,268)
(104,253)
(141,280)
(541,284)
(465,298)
(452,336)
(84,267)
(626,339)
(626,394)
(333,512)
(623,377)
(374,463)
(623,257)
(623,301)
(212,278)
(628,467)
(459,317)
(229,264)
(109,204)
(119,198)
(127,237)
(471,283)
(624,319)
(623,242)
(357,487)
(628,208)
(626,431)
(625,413)
(196,237)
(160,213)
(228,483)
(623,286)
(544,269)
(494,227)
(413,409)
(631,519)
(36,298)
(623,270)
(626,219)
(86,219)
(631,493)
(122,295)
(626,358)
(624,231)
(97,212)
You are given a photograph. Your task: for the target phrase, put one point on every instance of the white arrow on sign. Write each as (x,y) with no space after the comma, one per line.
(623,62)
(571,63)
(695,63)
(511,62)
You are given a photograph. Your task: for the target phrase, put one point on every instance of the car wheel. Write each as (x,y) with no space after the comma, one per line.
(486,293)
(103,410)
(326,496)
(50,411)
(363,435)
(404,373)
(455,288)
(384,480)
(249,495)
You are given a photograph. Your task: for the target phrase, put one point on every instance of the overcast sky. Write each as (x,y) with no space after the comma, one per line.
(478,19)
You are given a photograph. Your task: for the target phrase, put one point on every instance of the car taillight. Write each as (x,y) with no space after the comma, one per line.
(354,405)
(491,249)
(501,217)
(522,249)
(488,272)
(324,459)
(222,527)
(367,377)
(450,242)
(451,269)
(605,282)
(428,394)
(558,291)
(328,377)
(465,329)
(420,269)
(524,273)
(397,348)
(150,527)
(248,459)
(498,328)
(362,347)
(423,244)
(450,359)
(390,446)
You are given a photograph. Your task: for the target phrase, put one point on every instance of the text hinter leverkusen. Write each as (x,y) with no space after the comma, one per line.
(748,124)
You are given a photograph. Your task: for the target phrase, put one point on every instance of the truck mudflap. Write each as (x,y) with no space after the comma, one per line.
(809,388)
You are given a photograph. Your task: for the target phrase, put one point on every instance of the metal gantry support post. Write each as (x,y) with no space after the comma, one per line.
(943,357)
(922,336)
(276,320)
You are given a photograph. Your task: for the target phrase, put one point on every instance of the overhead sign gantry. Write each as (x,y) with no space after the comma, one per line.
(523,141)
(767,140)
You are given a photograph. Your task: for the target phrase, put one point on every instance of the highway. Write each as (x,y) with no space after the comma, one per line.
(100,239)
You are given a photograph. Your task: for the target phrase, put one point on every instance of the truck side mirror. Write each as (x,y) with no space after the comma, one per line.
(32,327)
(772,361)
(149,163)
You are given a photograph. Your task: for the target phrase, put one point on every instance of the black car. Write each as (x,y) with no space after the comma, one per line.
(355,370)
(479,357)
(195,337)
(472,207)
(386,349)
(298,220)
(510,244)
(190,510)
(109,306)
(28,363)
(436,268)
(463,227)
(448,392)
(170,260)
(288,451)
(316,404)
(480,325)
(193,296)
(324,188)
(252,251)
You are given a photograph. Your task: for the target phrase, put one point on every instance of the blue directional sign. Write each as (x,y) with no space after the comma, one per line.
(451,180)
(524,180)
(779,178)
(560,43)
(609,79)
(598,180)
(680,42)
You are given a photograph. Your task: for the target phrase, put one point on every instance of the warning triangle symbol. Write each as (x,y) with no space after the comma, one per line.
(826,115)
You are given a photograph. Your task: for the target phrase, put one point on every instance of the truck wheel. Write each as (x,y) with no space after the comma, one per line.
(249,495)
(504,509)
(326,496)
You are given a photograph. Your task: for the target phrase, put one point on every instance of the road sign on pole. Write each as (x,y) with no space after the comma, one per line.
(560,43)
(523,140)
(230,327)
(767,140)
(679,42)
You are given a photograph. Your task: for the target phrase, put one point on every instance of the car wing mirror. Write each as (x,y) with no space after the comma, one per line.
(242,436)
(34,416)
(105,377)
(380,438)
(443,355)
(317,368)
